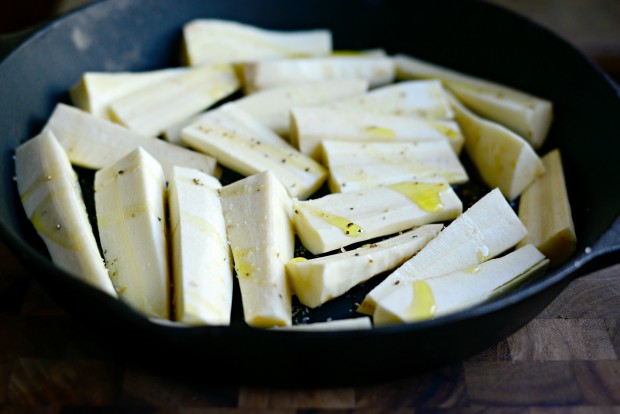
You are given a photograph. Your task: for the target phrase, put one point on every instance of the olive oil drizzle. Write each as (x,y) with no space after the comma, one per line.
(423,306)
(426,195)
(347,226)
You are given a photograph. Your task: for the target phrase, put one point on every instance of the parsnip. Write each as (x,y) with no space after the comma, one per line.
(433,297)
(527,115)
(52,199)
(362,322)
(202,269)
(242,144)
(342,219)
(151,110)
(311,126)
(257,211)
(222,41)
(321,279)
(130,204)
(485,230)
(545,210)
(356,166)
(95,143)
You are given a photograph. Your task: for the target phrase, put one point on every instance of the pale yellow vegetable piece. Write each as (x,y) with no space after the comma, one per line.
(257,211)
(222,41)
(52,199)
(97,90)
(151,110)
(358,323)
(341,219)
(485,230)
(267,74)
(355,166)
(430,298)
(526,114)
(545,210)
(201,263)
(311,126)
(321,279)
(503,159)
(242,144)
(95,143)
(130,204)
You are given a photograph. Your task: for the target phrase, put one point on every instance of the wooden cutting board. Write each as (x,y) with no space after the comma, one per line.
(565,360)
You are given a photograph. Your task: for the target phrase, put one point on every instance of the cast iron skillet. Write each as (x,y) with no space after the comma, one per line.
(470,36)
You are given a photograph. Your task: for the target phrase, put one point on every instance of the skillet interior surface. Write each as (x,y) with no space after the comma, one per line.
(469,36)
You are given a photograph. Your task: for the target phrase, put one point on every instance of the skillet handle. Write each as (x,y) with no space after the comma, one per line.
(605,252)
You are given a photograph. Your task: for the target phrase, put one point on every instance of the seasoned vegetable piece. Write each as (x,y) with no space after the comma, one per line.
(485,230)
(311,126)
(201,265)
(355,166)
(362,322)
(129,199)
(321,279)
(242,144)
(339,220)
(545,210)
(527,115)
(257,211)
(52,200)
(96,143)
(428,298)
(222,41)
(503,159)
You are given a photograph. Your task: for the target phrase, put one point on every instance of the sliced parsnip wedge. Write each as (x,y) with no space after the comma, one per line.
(342,219)
(321,279)
(362,322)
(271,73)
(221,41)
(355,166)
(545,210)
(257,210)
(129,199)
(485,230)
(53,202)
(503,159)
(201,265)
(151,110)
(527,115)
(95,143)
(272,107)
(97,90)
(425,98)
(433,297)
(311,126)
(241,143)
(359,53)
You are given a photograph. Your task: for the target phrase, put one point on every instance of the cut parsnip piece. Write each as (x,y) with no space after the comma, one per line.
(151,110)
(359,53)
(201,265)
(425,98)
(434,297)
(503,159)
(257,210)
(97,90)
(545,210)
(95,143)
(52,199)
(527,115)
(129,199)
(485,230)
(356,166)
(221,41)
(271,73)
(271,107)
(342,219)
(310,126)
(321,279)
(362,322)
(242,144)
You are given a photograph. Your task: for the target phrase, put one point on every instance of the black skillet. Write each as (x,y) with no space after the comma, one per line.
(470,36)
